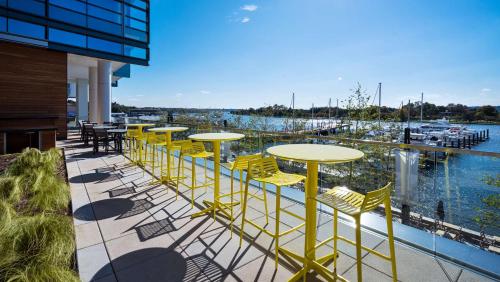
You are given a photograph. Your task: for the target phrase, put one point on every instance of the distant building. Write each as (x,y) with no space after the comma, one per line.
(51,48)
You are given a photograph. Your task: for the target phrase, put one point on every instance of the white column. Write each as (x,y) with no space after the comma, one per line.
(104,90)
(82,99)
(93,102)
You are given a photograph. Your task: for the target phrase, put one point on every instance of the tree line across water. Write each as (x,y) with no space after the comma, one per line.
(456,112)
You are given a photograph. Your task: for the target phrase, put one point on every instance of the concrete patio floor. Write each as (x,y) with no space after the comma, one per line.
(128,229)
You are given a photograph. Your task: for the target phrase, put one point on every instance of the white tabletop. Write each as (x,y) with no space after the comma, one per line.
(167,129)
(316,152)
(224,136)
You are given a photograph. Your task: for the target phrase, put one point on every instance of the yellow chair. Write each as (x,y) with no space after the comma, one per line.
(154,141)
(194,150)
(354,205)
(266,170)
(240,164)
(175,146)
(132,136)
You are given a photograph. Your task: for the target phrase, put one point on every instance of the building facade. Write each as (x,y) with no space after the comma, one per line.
(48,45)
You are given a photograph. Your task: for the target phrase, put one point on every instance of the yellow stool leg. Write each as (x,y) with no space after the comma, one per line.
(265,202)
(241,186)
(277,231)
(244,209)
(358,248)
(193,180)
(178,176)
(153,153)
(232,189)
(206,175)
(130,148)
(161,162)
(335,235)
(390,234)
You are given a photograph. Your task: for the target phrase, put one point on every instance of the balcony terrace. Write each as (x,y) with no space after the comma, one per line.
(128,229)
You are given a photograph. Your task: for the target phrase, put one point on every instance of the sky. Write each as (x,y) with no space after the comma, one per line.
(240,54)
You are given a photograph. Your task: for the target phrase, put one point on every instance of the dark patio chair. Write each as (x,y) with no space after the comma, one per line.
(101,137)
(87,132)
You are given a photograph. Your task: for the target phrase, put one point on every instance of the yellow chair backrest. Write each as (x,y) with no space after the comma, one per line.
(376,197)
(132,132)
(241,162)
(263,167)
(155,138)
(192,147)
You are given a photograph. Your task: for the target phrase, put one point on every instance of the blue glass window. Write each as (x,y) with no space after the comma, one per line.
(136,34)
(136,52)
(104,14)
(66,37)
(135,13)
(70,4)
(138,3)
(26,29)
(3,2)
(3,24)
(29,6)
(108,4)
(104,45)
(67,16)
(104,26)
(135,24)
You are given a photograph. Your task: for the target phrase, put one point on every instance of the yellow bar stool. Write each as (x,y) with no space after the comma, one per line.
(175,146)
(194,150)
(354,205)
(266,170)
(131,137)
(154,141)
(240,164)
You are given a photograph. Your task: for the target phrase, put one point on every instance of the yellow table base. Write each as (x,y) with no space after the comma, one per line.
(213,207)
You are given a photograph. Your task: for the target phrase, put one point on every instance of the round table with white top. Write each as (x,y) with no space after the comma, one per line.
(168,138)
(216,139)
(313,155)
(140,127)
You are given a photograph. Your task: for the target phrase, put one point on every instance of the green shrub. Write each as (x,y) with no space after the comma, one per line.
(40,273)
(6,214)
(48,194)
(34,240)
(31,162)
(10,189)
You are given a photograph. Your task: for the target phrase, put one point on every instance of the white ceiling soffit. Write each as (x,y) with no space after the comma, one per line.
(78,66)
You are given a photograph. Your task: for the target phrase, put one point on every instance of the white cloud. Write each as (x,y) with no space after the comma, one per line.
(133,99)
(205,92)
(339,78)
(486,90)
(250,8)
(139,95)
(245,20)
(178,95)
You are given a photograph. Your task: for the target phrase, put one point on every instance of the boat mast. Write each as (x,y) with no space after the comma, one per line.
(337,112)
(293,112)
(379,102)
(312,117)
(421,107)
(409,112)
(329,112)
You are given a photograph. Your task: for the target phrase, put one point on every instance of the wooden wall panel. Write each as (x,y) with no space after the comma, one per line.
(33,87)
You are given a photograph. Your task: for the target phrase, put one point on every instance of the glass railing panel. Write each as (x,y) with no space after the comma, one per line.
(444,200)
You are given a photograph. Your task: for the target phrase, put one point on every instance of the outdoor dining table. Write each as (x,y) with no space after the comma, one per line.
(312,154)
(140,126)
(216,139)
(118,136)
(168,131)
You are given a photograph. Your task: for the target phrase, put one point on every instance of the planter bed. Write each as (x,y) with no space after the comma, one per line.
(36,230)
